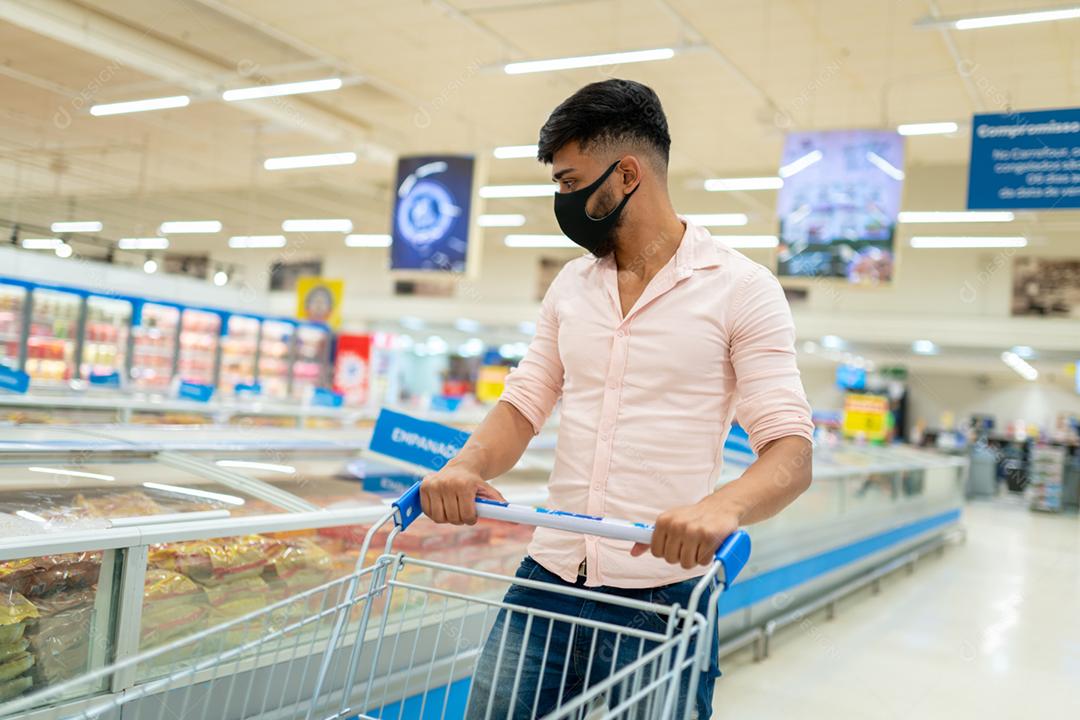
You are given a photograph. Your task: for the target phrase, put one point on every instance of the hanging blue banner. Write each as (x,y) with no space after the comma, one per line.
(1025,161)
(15,381)
(430,227)
(419,442)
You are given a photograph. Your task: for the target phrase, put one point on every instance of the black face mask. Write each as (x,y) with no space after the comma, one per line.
(597,235)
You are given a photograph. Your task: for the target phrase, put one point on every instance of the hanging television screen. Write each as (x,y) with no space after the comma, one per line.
(839,203)
(431,213)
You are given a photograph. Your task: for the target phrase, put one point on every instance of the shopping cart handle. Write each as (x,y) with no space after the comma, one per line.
(733,553)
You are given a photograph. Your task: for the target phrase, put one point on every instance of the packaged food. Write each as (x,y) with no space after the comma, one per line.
(49,574)
(160,628)
(15,666)
(236,598)
(109,505)
(8,650)
(16,687)
(210,562)
(15,610)
(296,555)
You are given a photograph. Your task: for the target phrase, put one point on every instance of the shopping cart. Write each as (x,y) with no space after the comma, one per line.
(401,636)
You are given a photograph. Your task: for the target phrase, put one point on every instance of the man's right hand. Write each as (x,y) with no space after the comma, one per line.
(449,496)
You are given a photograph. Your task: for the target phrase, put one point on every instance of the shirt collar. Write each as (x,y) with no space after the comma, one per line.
(696,251)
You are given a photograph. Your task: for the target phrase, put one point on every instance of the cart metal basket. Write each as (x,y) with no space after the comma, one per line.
(401,637)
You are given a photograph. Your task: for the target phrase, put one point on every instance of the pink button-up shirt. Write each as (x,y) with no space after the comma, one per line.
(648,399)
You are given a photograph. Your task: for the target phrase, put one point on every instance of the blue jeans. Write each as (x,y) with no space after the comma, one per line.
(575,659)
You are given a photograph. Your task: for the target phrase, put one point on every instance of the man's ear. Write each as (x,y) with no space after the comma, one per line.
(629,171)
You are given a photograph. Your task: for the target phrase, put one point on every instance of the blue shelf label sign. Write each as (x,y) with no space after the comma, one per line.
(195,391)
(247,389)
(12,380)
(420,442)
(111,379)
(323,397)
(1025,161)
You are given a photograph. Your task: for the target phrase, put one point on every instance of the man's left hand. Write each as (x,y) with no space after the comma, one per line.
(690,535)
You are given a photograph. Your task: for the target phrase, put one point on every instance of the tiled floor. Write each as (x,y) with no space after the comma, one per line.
(990,630)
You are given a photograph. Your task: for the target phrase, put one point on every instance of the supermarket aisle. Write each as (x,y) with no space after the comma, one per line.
(990,630)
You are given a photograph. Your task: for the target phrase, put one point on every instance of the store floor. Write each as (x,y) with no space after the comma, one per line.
(989,630)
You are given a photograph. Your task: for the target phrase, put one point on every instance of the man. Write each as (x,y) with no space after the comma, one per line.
(653,342)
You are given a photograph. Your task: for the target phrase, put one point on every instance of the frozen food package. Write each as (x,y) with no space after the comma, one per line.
(61,643)
(295,555)
(15,610)
(112,504)
(15,666)
(210,562)
(49,574)
(233,599)
(16,687)
(11,649)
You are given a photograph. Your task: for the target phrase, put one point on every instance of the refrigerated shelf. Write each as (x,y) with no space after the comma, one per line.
(239,346)
(12,305)
(200,332)
(275,345)
(105,336)
(309,366)
(53,336)
(154,347)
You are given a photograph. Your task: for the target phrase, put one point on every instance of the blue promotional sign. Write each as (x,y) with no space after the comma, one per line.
(195,391)
(420,442)
(322,397)
(15,381)
(430,228)
(849,377)
(110,380)
(247,389)
(1025,161)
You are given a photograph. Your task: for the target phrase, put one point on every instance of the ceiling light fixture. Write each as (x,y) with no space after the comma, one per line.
(501,220)
(76,226)
(955,216)
(799,164)
(925,242)
(1020,18)
(293,162)
(293,88)
(181,227)
(368,240)
(150,266)
(833,342)
(517,191)
(927,128)
(134,106)
(41,243)
(63,250)
(1020,366)
(750,242)
(718,219)
(507,152)
(221,278)
(745,183)
(143,243)
(538,241)
(250,242)
(584,61)
(341,225)
(924,347)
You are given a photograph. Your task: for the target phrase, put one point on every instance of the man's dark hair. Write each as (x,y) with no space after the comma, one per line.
(608,113)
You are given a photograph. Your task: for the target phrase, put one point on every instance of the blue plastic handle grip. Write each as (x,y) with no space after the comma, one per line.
(408,506)
(733,555)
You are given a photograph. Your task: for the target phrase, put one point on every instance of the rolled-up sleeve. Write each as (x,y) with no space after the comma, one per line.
(535,385)
(770,400)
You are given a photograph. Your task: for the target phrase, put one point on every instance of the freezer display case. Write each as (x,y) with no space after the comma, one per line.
(53,336)
(105,336)
(309,366)
(239,347)
(275,345)
(12,307)
(200,333)
(154,346)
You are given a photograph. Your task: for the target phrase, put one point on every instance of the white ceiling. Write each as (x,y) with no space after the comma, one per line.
(425,76)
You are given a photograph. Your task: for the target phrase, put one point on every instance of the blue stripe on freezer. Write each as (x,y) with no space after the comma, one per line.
(753,590)
(410,707)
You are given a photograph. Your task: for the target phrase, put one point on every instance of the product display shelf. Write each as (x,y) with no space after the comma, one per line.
(275,345)
(154,347)
(310,357)
(200,332)
(52,338)
(12,305)
(1046,478)
(105,338)
(239,348)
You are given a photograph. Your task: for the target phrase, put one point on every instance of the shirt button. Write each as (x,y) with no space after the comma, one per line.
(596,488)
(621,333)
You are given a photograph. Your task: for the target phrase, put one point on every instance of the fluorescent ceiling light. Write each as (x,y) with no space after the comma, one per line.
(1024,351)
(583,61)
(1021,18)
(746,183)
(412,322)
(527,327)
(517,191)
(195,492)
(41,243)
(368,240)
(293,162)
(341,225)
(471,347)
(1020,366)
(833,342)
(928,128)
(252,465)
(467,325)
(293,88)
(956,216)
(76,226)
(718,219)
(750,241)
(538,241)
(144,243)
(885,166)
(507,152)
(133,106)
(924,347)
(150,266)
(798,165)
(180,227)
(63,250)
(435,345)
(504,220)
(956,242)
(71,473)
(256,241)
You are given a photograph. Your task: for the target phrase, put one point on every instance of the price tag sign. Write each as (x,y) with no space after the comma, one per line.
(419,442)
(195,391)
(15,381)
(866,416)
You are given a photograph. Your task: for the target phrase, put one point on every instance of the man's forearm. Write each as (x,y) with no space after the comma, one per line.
(780,474)
(497,444)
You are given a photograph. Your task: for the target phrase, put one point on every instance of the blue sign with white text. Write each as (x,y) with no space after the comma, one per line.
(1025,161)
(247,389)
(195,391)
(323,397)
(109,380)
(15,381)
(420,442)
(431,213)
